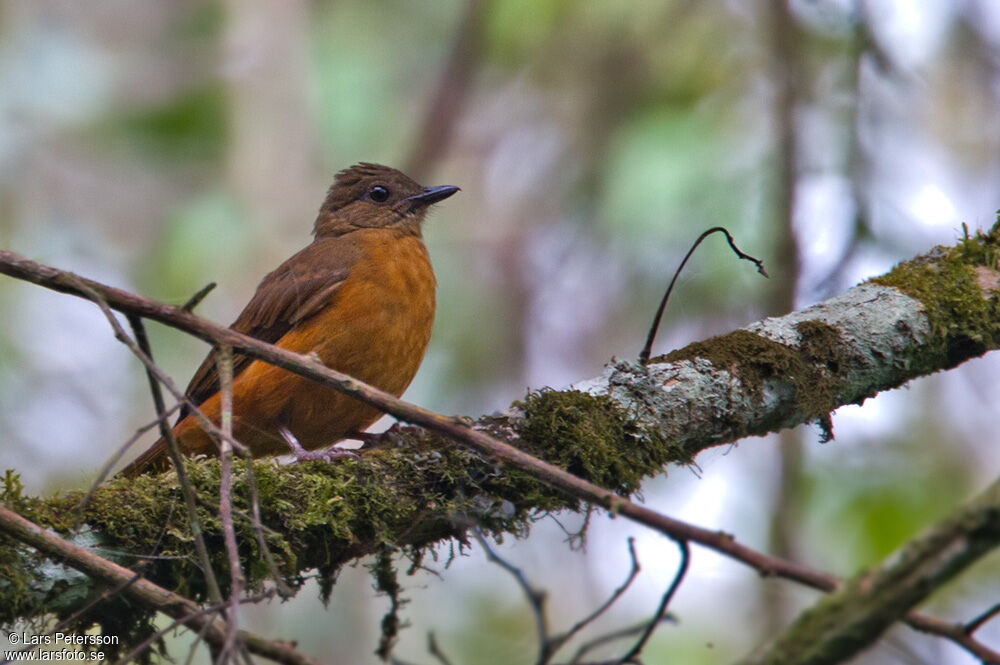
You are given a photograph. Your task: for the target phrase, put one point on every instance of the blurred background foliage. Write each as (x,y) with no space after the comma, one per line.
(160,146)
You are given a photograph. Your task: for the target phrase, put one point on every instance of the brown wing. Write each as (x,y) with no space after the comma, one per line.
(293,292)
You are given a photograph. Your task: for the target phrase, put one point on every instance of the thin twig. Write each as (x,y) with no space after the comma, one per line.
(548,646)
(224,361)
(956,632)
(199,295)
(166,432)
(284,590)
(613,636)
(661,612)
(648,347)
(559,640)
(536,598)
(215,595)
(181,621)
(145,352)
(977,621)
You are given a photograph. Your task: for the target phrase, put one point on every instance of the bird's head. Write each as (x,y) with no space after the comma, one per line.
(375,196)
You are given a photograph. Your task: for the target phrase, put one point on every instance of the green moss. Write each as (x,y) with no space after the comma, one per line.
(315,516)
(13,489)
(414,491)
(592,437)
(15,582)
(946,282)
(406,494)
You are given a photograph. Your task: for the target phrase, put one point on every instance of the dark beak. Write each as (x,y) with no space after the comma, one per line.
(431,195)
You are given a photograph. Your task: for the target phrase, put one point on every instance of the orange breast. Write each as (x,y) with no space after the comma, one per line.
(375,328)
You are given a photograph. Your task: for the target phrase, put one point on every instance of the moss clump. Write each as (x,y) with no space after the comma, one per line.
(592,437)
(315,516)
(412,491)
(14,576)
(946,281)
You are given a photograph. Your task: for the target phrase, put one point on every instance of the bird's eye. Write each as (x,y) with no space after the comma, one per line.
(378,194)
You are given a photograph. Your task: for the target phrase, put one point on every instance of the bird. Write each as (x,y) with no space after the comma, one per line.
(360,296)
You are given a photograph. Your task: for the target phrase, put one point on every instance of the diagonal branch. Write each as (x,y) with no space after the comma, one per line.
(771,375)
(140,347)
(475,438)
(928,314)
(845,622)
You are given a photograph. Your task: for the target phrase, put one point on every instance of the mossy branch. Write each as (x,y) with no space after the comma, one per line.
(925,315)
(420,488)
(850,619)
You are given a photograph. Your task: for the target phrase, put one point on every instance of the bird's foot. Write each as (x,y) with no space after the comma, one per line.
(324,454)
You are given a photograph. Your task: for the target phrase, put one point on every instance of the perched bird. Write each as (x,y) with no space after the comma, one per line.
(360,296)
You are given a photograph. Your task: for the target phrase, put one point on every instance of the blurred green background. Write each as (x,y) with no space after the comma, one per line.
(159,146)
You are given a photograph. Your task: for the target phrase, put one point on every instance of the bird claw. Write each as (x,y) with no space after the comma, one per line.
(324,454)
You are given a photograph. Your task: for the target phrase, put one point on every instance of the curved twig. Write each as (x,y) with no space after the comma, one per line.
(647,348)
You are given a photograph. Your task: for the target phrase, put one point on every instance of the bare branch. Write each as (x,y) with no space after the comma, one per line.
(224,362)
(844,622)
(536,598)
(560,640)
(140,590)
(613,636)
(155,376)
(548,646)
(661,611)
(647,348)
(198,296)
(955,632)
(977,622)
